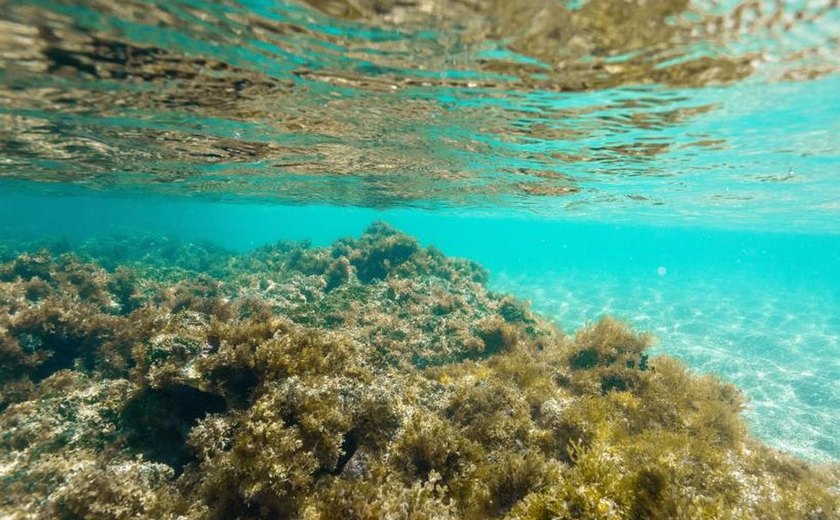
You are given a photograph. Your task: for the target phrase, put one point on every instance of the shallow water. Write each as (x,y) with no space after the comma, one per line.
(758,308)
(671,163)
(712,113)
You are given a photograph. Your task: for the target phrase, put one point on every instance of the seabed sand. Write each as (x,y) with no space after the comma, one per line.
(370,379)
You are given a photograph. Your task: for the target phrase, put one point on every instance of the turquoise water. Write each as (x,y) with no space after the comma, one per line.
(686,179)
(758,308)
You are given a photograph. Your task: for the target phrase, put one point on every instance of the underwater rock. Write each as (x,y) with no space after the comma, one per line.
(371,379)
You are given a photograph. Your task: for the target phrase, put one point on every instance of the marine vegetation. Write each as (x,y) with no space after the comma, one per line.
(371,379)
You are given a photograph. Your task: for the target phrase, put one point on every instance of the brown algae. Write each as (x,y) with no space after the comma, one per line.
(371,379)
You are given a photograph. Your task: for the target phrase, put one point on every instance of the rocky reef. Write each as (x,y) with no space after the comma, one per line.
(370,379)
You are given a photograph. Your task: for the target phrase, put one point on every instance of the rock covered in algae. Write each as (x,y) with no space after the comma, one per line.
(371,379)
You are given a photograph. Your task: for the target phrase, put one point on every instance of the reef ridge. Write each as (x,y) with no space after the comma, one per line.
(371,379)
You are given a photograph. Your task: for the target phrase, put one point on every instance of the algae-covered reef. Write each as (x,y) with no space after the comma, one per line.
(370,379)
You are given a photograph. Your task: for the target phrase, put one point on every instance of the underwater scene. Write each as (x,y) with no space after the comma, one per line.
(420,259)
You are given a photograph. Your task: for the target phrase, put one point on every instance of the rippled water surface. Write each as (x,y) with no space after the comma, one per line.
(674,162)
(649,109)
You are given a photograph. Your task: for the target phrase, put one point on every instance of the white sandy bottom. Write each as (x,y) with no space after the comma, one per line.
(778,340)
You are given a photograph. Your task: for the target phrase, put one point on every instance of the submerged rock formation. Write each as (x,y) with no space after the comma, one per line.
(371,379)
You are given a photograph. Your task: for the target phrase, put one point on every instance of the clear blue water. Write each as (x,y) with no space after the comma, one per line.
(758,308)
(685,179)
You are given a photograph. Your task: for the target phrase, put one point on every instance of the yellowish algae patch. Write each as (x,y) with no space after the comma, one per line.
(370,379)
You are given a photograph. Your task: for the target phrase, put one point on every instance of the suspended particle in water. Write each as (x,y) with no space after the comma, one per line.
(661,270)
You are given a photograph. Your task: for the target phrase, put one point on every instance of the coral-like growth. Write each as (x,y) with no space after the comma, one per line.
(371,379)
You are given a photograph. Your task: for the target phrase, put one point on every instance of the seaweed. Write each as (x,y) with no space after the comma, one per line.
(374,378)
